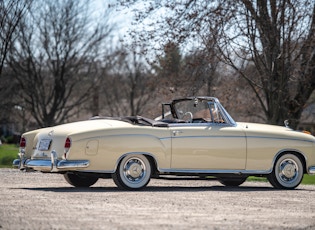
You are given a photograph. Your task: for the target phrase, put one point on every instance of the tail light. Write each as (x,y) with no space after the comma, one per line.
(67,146)
(22,143)
(22,151)
(68,143)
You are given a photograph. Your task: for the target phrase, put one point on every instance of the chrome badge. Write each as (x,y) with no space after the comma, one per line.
(51,133)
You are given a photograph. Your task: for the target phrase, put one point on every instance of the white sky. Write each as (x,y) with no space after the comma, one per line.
(121,18)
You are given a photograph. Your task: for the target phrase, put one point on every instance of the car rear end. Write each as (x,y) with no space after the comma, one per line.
(64,147)
(46,151)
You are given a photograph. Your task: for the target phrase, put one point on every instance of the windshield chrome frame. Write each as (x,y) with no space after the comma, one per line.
(226,116)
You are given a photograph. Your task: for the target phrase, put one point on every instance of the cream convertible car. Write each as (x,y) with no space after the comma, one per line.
(194,137)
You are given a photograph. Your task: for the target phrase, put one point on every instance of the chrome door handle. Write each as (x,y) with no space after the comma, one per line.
(177,132)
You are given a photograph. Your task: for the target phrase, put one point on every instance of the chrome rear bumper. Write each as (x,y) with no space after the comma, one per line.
(311,170)
(52,165)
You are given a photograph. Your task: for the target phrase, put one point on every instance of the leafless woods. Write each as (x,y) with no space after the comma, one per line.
(61,62)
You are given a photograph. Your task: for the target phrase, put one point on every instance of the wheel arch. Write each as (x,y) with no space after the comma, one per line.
(295,152)
(149,156)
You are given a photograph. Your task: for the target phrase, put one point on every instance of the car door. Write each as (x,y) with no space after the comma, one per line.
(208,146)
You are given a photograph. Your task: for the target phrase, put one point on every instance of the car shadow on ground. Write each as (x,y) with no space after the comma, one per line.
(159,189)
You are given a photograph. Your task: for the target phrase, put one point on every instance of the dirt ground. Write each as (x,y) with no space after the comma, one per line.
(46,201)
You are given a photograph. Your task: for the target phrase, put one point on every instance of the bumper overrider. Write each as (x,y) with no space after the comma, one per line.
(49,165)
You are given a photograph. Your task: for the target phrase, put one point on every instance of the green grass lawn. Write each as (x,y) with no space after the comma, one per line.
(8,152)
(306,180)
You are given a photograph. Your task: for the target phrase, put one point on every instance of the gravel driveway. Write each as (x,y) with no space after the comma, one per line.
(46,201)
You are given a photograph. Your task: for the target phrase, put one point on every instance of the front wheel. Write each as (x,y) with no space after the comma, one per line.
(133,172)
(80,180)
(287,172)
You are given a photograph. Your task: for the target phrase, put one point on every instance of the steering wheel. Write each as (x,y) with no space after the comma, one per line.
(190,116)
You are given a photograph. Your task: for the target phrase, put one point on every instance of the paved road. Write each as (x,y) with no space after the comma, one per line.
(46,201)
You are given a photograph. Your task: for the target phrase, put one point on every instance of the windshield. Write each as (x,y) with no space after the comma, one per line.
(195,110)
(190,108)
(200,110)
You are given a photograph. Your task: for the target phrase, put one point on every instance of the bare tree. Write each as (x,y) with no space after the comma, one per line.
(168,69)
(281,44)
(200,71)
(54,58)
(128,85)
(11,12)
(277,37)
(184,75)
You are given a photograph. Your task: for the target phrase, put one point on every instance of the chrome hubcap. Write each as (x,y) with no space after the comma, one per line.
(288,170)
(134,170)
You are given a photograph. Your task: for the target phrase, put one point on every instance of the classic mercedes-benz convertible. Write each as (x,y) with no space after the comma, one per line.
(195,137)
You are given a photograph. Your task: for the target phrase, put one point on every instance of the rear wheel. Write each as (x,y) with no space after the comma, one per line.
(133,172)
(80,180)
(232,181)
(287,172)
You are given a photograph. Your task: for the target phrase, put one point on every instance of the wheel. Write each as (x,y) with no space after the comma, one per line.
(80,180)
(287,172)
(133,172)
(232,181)
(189,116)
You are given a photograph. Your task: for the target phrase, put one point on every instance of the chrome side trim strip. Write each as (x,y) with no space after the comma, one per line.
(233,171)
(279,138)
(99,171)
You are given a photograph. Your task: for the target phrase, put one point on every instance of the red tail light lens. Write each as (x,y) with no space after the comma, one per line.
(22,142)
(68,143)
